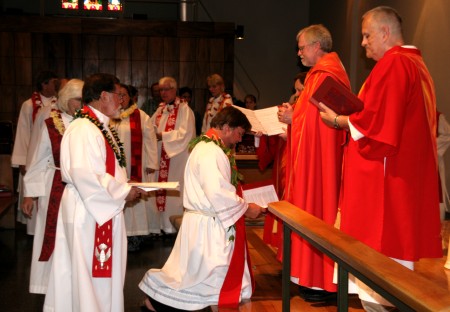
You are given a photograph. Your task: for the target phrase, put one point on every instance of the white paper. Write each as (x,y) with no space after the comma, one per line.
(264,120)
(152,186)
(261,196)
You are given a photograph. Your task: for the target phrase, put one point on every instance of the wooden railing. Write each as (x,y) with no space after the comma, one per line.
(404,288)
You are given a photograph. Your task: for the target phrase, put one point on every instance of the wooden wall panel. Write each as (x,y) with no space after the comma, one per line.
(217,50)
(7,72)
(203,50)
(171,49)
(123,71)
(139,74)
(6,44)
(187,74)
(138,52)
(188,49)
(155,72)
(139,48)
(156,49)
(90,47)
(107,47)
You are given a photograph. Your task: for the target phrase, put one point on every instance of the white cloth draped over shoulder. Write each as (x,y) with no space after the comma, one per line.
(91,196)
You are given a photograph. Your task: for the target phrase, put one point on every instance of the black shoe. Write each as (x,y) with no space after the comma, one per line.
(316,295)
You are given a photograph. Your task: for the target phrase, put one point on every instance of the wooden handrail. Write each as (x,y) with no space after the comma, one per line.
(403,287)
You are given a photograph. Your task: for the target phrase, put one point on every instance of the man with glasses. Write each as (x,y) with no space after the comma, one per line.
(313,165)
(90,254)
(174,124)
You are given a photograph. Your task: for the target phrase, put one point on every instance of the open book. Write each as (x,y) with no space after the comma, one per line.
(153,186)
(261,193)
(337,97)
(264,120)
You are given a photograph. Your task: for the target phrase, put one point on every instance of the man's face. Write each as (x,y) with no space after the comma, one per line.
(111,102)
(50,88)
(186,96)
(123,93)
(307,51)
(168,93)
(372,39)
(73,105)
(232,136)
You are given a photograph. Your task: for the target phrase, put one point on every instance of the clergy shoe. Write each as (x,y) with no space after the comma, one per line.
(316,295)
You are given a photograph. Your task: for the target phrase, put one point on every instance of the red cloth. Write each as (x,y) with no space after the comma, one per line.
(48,244)
(390,192)
(164,163)
(103,243)
(313,172)
(136,146)
(271,150)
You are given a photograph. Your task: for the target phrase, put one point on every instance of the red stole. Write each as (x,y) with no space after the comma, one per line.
(37,104)
(211,111)
(232,285)
(102,255)
(56,192)
(164,162)
(136,146)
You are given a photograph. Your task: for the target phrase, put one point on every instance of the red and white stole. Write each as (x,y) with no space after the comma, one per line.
(103,244)
(56,192)
(164,162)
(37,103)
(232,285)
(213,109)
(136,146)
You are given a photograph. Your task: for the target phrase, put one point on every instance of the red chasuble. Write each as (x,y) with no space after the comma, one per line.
(313,173)
(390,186)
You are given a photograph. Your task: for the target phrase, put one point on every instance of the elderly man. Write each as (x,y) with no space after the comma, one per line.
(390,185)
(88,271)
(209,263)
(174,123)
(313,165)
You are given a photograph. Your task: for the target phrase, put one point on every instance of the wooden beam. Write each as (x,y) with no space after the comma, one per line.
(407,286)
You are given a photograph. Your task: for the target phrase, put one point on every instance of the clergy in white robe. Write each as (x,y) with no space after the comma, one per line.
(194,274)
(137,213)
(38,180)
(218,100)
(46,86)
(89,260)
(174,123)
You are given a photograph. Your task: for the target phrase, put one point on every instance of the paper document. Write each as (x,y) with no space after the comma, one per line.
(152,186)
(264,120)
(261,196)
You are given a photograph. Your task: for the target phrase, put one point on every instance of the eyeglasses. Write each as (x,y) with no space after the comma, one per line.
(121,95)
(301,48)
(165,89)
(78,99)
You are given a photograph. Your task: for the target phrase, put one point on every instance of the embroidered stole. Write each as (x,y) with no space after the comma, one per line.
(136,146)
(211,111)
(56,192)
(103,244)
(231,289)
(164,163)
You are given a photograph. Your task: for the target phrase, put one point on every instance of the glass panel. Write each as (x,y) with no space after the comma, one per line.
(93,5)
(69,4)
(115,5)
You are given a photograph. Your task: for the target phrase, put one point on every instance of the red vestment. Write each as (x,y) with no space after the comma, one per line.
(390,186)
(313,172)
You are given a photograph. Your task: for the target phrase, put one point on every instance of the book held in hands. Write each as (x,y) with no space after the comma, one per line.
(337,97)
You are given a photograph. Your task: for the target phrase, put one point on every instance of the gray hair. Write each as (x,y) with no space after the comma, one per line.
(72,89)
(384,15)
(168,80)
(317,33)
